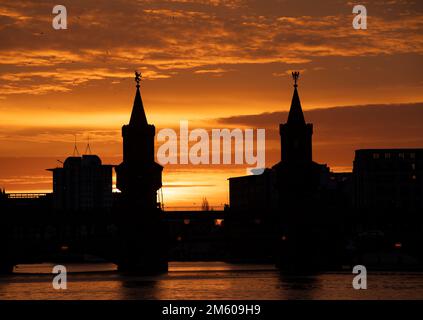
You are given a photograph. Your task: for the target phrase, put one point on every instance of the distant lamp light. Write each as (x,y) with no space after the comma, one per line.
(187,221)
(178,238)
(257,221)
(284,238)
(218,222)
(64,248)
(398,245)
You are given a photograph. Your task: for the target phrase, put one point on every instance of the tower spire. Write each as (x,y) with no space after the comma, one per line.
(138,117)
(296,115)
(296,134)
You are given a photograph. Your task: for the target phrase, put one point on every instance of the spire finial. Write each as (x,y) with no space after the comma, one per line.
(138,78)
(295,76)
(138,115)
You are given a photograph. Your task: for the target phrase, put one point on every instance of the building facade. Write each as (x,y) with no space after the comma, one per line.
(388,179)
(83,183)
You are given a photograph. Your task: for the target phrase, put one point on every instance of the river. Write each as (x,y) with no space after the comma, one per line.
(203,280)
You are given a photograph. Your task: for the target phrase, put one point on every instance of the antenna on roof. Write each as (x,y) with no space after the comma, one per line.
(88,148)
(75,148)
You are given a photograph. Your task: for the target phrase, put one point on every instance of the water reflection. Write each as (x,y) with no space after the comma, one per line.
(133,289)
(204,280)
(299,286)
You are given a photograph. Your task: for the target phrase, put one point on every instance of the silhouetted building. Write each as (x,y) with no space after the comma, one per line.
(299,179)
(295,179)
(139,177)
(83,183)
(389,179)
(296,135)
(296,213)
(291,207)
(254,193)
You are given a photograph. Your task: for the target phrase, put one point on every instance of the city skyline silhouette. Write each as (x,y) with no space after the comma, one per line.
(270,217)
(211,150)
(56,84)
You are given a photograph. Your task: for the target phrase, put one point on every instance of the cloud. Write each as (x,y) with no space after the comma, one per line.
(168,36)
(62,80)
(215,72)
(338,131)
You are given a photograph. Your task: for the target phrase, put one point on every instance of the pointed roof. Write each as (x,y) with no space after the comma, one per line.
(296,115)
(138,117)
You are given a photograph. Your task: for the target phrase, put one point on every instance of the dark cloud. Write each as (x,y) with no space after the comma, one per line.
(338,131)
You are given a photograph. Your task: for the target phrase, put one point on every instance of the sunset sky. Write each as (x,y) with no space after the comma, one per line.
(218,64)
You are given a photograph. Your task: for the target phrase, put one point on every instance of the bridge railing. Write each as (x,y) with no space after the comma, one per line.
(192,208)
(25,195)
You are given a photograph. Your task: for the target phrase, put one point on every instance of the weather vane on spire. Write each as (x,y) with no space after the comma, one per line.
(138,78)
(295,76)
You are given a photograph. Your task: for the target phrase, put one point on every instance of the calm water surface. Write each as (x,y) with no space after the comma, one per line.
(203,280)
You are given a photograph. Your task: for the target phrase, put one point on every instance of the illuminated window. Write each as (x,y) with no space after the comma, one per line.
(401,155)
(218,222)
(387,156)
(375,155)
(412,155)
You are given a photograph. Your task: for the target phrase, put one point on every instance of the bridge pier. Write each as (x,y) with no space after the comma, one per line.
(6,261)
(7,249)
(6,268)
(143,244)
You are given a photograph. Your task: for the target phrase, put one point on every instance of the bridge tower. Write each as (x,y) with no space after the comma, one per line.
(139,178)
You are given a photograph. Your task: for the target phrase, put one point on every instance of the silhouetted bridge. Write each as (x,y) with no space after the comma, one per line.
(30,236)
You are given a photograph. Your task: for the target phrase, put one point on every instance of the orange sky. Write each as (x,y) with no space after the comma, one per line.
(216,63)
